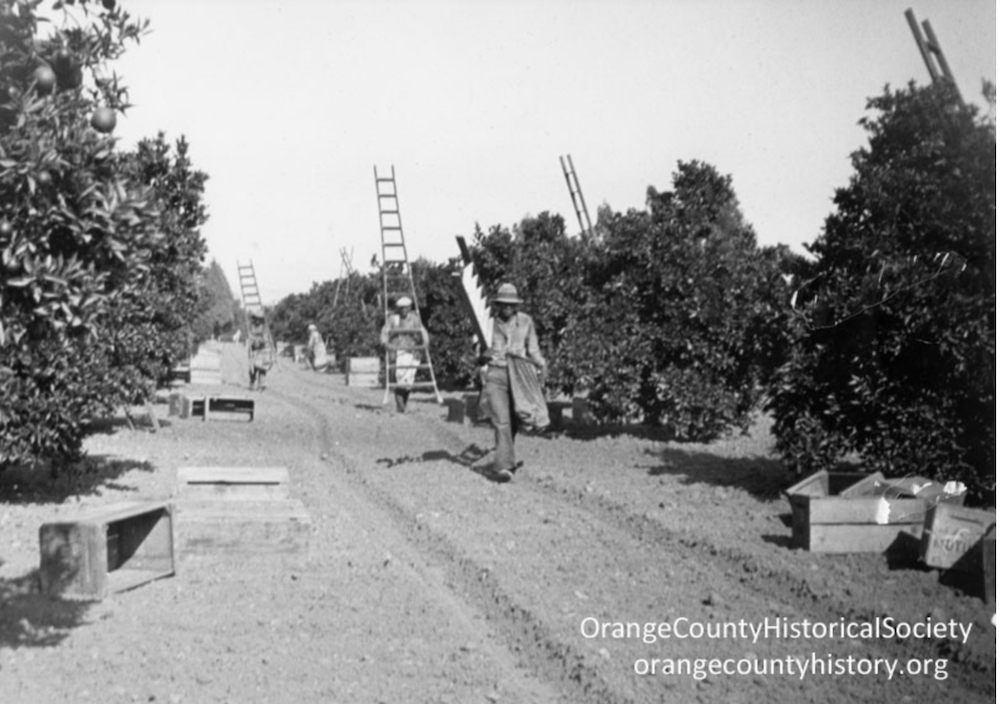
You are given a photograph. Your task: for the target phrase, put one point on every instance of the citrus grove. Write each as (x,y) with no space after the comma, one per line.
(100,248)
(879,346)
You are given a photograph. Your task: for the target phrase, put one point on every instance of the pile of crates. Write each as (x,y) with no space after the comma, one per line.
(844,512)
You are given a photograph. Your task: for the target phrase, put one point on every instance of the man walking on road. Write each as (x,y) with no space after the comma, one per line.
(515,373)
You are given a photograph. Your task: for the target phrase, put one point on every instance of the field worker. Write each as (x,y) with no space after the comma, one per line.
(316,349)
(515,374)
(404,345)
(261,354)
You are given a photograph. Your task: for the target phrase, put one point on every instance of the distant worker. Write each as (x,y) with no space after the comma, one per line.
(261,354)
(316,350)
(405,346)
(515,375)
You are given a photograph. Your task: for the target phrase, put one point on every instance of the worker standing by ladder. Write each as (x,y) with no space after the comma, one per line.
(406,342)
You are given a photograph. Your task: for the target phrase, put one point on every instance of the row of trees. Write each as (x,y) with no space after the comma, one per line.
(103,282)
(881,344)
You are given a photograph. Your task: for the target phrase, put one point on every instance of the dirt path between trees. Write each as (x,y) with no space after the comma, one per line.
(426,582)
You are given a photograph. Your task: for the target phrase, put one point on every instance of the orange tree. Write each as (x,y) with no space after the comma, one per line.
(83,238)
(351,327)
(894,355)
(443,314)
(170,297)
(680,322)
(670,316)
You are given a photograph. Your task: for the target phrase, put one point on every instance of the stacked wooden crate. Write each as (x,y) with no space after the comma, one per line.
(239,511)
(363,371)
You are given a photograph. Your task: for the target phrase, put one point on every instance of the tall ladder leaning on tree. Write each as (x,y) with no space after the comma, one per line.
(251,302)
(397,281)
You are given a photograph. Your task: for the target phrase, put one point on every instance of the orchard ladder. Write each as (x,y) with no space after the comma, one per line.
(346,273)
(576,194)
(932,53)
(397,281)
(252,302)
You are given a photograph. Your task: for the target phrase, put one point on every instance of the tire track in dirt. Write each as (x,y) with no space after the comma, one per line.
(469,585)
(422,567)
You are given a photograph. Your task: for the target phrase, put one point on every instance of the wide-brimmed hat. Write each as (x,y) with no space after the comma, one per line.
(404,302)
(507,293)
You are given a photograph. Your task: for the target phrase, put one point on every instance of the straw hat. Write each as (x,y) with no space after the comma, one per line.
(507,293)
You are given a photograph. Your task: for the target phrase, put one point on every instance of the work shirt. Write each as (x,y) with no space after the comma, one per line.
(405,341)
(515,337)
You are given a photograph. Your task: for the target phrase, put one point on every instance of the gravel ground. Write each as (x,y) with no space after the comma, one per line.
(427,582)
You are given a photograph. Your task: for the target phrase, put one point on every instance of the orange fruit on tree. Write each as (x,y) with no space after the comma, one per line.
(103,120)
(45,79)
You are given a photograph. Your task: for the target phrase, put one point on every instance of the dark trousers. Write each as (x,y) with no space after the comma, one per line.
(505,421)
(402,396)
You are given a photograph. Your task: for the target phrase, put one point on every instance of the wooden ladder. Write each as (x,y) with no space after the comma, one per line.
(251,303)
(397,281)
(576,194)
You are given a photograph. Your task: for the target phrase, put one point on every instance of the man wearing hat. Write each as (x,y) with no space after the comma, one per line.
(513,362)
(405,345)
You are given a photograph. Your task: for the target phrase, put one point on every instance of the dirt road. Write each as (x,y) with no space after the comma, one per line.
(617,567)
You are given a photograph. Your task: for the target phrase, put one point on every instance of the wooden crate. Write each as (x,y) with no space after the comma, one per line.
(108,550)
(232,483)
(206,407)
(276,527)
(366,379)
(175,403)
(181,373)
(841,512)
(555,415)
(952,537)
(456,410)
(826,483)
(364,365)
(818,508)
(581,411)
(228,405)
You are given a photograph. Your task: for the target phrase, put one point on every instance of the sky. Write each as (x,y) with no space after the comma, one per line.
(289,106)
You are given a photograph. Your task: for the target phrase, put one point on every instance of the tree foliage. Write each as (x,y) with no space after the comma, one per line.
(665,316)
(349,315)
(97,247)
(217,305)
(894,347)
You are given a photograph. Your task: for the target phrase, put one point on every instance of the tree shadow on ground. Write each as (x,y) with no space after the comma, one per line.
(137,421)
(31,619)
(763,478)
(27,485)
(579,430)
(783,540)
